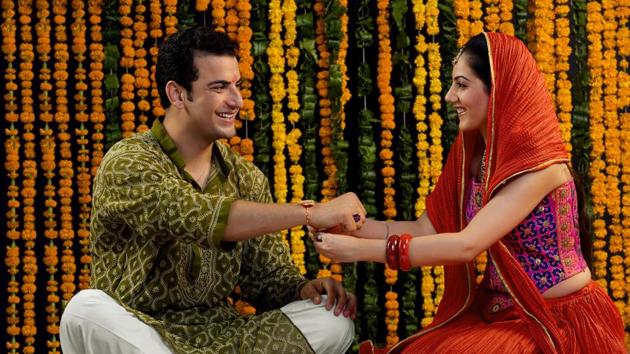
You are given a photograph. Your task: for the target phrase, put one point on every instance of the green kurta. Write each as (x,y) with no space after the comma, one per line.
(157,249)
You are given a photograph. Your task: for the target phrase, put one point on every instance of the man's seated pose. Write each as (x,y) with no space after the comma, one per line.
(179,220)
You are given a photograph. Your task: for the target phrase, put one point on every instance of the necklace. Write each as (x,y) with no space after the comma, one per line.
(482,173)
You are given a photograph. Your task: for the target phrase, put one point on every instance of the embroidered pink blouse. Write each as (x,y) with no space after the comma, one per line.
(546,244)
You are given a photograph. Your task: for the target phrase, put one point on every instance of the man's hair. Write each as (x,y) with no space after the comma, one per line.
(175,58)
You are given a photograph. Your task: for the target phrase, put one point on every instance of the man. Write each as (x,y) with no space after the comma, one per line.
(179,220)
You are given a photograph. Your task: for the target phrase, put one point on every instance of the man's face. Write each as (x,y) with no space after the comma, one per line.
(215,99)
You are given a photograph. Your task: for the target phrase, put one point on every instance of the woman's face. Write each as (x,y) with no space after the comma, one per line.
(469,96)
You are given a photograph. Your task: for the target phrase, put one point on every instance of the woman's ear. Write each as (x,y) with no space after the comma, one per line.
(175,94)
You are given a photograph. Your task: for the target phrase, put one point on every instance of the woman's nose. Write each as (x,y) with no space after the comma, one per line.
(450,96)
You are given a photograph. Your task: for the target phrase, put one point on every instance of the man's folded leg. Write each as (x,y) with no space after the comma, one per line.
(93,322)
(325,332)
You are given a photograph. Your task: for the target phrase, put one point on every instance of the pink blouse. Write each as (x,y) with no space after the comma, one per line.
(546,244)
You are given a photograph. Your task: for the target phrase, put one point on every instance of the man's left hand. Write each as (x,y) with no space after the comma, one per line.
(346,302)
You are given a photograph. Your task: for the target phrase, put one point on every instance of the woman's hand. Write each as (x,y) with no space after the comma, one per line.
(339,248)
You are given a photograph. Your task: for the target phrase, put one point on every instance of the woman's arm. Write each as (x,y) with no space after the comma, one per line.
(375,229)
(504,212)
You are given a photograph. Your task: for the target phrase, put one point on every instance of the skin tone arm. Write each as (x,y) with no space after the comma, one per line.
(504,211)
(249,219)
(374,229)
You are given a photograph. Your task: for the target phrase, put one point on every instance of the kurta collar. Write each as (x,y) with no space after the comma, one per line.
(169,147)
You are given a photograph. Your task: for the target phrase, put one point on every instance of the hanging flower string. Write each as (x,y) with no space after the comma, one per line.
(386,101)
(492,19)
(48,165)
(170,21)
(329,187)
(218,15)
(563,85)
(594,27)
(245,63)
(155,32)
(435,120)
(461,8)
(623,50)
(84,177)
(424,172)
(476,13)
(275,54)
(127,106)
(97,118)
(505,13)
(294,148)
(29,174)
(12,166)
(141,73)
(612,151)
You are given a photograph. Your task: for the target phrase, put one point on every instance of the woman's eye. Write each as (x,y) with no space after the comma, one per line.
(460,85)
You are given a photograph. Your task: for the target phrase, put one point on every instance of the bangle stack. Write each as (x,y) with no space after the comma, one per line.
(397,252)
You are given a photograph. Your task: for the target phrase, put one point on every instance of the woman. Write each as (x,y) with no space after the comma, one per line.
(506,188)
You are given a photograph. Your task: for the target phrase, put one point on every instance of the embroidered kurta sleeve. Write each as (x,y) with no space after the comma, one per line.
(140,188)
(268,277)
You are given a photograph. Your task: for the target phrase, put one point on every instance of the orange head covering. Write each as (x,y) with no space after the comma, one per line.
(523,135)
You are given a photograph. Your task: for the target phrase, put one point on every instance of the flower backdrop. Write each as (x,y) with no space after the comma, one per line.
(338,96)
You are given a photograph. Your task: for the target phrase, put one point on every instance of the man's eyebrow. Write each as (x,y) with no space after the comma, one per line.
(222,82)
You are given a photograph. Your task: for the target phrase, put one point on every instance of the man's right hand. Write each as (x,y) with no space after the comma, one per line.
(345,212)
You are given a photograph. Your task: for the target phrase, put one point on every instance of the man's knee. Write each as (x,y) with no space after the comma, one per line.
(324,331)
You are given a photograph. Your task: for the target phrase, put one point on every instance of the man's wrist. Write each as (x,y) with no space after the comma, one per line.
(307,206)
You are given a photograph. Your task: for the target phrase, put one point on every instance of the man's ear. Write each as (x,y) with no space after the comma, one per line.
(175,94)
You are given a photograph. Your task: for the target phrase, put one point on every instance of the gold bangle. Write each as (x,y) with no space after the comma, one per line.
(386,229)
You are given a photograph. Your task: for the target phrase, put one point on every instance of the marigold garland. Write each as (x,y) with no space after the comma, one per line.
(424,172)
(329,186)
(594,27)
(127,95)
(461,8)
(141,73)
(293,146)
(47,164)
(623,95)
(613,156)
(97,118)
(245,63)
(79,48)
(387,108)
(542,43)
(563,84)
(12,166)
(218,15)
(29,174)
(505,13)
(492,18)
(338,115)
(170,21)
(476,13)
(155,32)
(66,171)
(275,53)
(435,120)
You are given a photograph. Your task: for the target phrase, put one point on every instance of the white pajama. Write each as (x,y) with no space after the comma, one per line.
(93,323)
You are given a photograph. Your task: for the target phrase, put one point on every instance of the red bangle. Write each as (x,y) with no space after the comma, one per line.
(391,251)
(403,252)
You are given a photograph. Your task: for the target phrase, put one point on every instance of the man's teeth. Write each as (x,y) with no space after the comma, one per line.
(226,115)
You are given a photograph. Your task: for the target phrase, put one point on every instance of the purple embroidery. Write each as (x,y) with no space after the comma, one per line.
(546,244)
